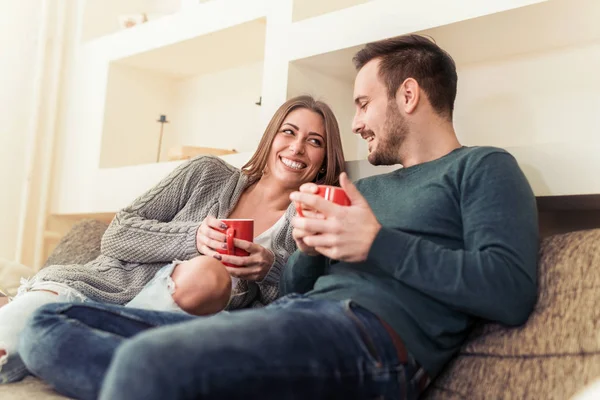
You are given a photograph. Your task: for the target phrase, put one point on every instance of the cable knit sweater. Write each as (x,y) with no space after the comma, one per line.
(160,226)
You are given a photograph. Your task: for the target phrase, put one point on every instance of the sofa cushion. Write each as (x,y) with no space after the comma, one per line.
(552,356)
(27,389)
(80,245)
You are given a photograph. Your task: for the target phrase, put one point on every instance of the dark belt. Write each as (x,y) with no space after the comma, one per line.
(403,354)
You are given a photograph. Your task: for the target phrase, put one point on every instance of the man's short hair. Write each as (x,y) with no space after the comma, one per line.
(417,57)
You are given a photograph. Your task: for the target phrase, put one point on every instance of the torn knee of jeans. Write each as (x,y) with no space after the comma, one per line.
(176,262)
(26,285)
(72,297)
(171,285)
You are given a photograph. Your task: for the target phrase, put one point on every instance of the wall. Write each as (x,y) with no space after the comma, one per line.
(18,19)
(218,110)
(543,108)
(135,99)
(538,98)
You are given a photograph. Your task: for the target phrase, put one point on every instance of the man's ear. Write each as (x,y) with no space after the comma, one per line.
(408,95)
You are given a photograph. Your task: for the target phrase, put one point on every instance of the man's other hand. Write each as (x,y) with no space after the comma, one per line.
(344,233)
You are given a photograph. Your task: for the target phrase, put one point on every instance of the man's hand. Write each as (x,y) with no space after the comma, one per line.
(344,233)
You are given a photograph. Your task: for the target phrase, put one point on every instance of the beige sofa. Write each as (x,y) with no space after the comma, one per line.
(553,356)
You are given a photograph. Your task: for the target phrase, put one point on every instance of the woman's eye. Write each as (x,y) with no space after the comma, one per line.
(363,106)
(288,131)
(316,142)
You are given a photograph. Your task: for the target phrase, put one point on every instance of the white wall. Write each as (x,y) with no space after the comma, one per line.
(19,24)
(544,109)
(218,110)
(338,94)
(135,99)
(533,99)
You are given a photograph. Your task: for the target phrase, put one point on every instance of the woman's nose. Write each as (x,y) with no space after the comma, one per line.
(297,146)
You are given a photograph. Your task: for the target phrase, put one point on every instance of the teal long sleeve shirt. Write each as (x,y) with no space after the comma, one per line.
(459,243)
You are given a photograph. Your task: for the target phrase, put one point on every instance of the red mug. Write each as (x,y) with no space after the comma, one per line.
(237,229)
(334,194)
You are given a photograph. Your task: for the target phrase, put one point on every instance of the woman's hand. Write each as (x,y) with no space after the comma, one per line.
(208,238)
(253,267)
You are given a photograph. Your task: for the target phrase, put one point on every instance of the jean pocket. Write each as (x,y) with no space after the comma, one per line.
(366,339)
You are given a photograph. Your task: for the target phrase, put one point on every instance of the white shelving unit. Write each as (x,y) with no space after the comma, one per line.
(527,82)
(221,75)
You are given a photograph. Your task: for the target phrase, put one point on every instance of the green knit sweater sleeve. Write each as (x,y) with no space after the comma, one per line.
(494,275)
(301,273)
(145,232)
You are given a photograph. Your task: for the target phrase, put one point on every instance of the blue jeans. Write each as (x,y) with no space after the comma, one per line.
(295,348)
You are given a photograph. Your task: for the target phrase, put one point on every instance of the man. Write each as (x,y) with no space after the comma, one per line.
(386,289)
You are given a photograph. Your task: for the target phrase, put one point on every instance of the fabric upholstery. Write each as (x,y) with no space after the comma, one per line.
(557,352)
(80,245)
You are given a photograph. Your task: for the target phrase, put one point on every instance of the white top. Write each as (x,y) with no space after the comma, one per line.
(265,239)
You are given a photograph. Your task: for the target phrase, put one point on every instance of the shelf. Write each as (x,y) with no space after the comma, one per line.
(196,83)
(536,28)
(187,152)
(101,17)
(209,28)
(304,9)
(386,18)
(211,110)
(527,78)
(216,51)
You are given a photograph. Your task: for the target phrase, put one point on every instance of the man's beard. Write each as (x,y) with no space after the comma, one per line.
(395,130)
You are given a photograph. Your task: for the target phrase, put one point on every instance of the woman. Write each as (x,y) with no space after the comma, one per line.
(175,221)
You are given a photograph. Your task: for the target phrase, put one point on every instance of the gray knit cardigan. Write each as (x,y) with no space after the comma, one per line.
(160,226)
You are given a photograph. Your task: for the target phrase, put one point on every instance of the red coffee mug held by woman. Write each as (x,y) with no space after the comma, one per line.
(237,229)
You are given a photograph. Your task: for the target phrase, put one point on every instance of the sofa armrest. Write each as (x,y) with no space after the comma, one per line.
(80,245)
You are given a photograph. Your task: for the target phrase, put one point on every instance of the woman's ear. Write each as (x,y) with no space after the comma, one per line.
(320,175)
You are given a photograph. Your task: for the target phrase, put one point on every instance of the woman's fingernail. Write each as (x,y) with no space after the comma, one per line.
(217,256)
(224,246)
(223,226)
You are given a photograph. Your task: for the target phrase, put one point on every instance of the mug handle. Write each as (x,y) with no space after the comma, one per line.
(230,232)
(299,209)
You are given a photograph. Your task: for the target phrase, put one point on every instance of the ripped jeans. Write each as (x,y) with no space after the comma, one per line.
(32,295)
(156,296)
(16,313)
